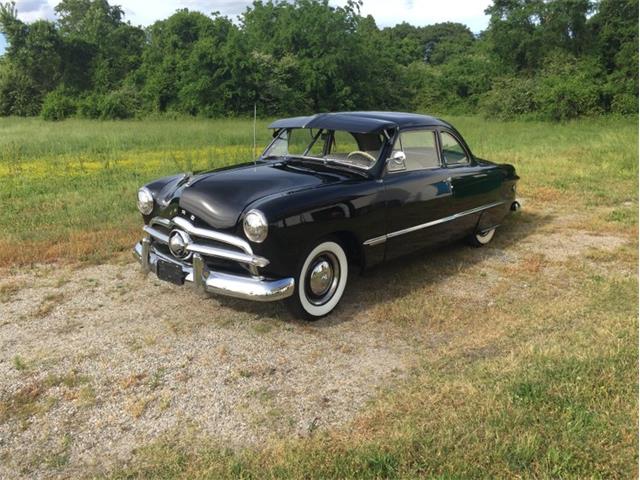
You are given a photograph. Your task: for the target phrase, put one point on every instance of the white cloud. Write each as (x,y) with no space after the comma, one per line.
(425,12)
(30,10)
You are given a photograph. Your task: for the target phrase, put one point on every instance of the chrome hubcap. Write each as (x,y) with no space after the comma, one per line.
(321,277)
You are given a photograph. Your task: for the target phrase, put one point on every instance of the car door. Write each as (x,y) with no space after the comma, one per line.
(418,193)
(475,186)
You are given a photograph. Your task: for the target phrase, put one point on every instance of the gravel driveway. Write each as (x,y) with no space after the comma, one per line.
(98,360)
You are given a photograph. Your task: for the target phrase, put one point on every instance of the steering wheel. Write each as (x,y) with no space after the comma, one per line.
(362,154)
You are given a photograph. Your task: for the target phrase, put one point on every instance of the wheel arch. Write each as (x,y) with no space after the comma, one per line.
(352,247)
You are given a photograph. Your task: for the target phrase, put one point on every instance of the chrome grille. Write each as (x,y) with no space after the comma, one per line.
(206,242)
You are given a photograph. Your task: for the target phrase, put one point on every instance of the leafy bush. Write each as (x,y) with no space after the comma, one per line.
(18,93)
(564,88)
(509,97)
(569,89)
(58,105)
(89,106)
(624,103)
(120,104)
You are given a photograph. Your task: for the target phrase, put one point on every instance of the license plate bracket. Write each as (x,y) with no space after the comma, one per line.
(170,272)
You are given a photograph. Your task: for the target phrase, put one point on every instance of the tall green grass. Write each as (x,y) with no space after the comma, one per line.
(61,184)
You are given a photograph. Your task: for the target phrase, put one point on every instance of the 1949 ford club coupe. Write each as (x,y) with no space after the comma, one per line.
(331,192)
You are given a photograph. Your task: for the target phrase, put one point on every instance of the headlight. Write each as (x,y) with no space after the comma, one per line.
(255,226)
(145,201)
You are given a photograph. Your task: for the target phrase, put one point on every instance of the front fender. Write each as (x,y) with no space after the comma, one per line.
(300,219)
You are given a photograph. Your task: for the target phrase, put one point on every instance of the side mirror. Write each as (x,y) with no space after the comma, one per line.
(397,162)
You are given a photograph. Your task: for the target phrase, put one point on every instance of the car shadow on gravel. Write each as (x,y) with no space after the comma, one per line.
(403,276)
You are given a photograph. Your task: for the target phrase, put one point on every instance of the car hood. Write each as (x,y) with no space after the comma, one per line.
(219,197)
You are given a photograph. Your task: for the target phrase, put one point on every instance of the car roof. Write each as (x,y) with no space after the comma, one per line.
(359,122)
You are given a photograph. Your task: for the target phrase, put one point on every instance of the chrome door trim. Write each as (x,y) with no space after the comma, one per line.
(384,238)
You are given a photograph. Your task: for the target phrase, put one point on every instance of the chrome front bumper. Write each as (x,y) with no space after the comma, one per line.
(238,286)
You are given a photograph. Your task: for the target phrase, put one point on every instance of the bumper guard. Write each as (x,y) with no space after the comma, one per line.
(249,288)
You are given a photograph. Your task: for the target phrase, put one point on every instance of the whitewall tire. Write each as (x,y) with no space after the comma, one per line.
(321,281)
(479,239)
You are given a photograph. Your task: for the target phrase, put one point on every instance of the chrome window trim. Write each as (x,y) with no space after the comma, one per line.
(384,238)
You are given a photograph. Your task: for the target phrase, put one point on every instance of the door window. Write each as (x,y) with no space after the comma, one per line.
(419,148)
(452,151)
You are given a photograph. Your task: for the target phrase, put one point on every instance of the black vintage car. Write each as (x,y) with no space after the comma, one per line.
(331,192)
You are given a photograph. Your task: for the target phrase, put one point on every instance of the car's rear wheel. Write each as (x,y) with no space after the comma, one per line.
(321,281)
(479,239)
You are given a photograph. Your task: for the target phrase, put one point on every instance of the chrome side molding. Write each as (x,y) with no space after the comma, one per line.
(384,238)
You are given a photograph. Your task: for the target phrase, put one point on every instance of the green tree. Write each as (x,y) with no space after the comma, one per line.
(97,38)
(551,58)
(35,63)
(183,65)
(521,32)
(615,26)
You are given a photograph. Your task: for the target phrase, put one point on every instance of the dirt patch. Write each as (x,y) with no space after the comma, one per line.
(560,246)
(157,358)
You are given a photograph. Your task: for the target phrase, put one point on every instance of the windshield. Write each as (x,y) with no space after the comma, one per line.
(354,149)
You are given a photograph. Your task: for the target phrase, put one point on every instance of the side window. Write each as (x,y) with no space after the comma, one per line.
(452,152)
(420,150)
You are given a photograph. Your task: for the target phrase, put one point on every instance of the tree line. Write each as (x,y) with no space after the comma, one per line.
(553,59)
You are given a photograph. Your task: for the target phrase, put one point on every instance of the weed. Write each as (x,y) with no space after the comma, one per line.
(49,303)
(20,364)
(8,291)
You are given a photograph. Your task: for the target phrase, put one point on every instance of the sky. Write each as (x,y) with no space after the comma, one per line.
(386,12)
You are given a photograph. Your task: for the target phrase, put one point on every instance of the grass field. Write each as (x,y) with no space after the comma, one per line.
(68,189)
(539,379)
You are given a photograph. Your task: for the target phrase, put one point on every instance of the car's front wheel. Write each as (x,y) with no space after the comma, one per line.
(321,281)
